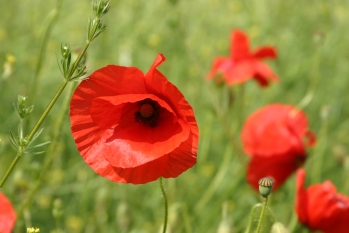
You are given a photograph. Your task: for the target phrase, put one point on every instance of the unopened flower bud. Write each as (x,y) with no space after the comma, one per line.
(278,227)
(65,50)
(265,186)
(22,111)
(100,7)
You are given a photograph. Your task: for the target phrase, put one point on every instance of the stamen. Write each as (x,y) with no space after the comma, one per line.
(148,113)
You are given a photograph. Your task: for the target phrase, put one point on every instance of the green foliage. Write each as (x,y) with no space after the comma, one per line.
(313,48)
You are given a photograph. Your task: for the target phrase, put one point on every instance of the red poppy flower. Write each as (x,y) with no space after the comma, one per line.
(320,207)
(7,215)
(244,64)
(133,128)
(273,138)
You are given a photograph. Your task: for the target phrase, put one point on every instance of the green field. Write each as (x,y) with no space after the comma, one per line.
(312,40)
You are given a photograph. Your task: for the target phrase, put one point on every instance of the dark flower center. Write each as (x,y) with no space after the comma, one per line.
(146,110)
(148,113)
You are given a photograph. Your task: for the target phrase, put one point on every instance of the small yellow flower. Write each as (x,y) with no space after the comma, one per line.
(33,230)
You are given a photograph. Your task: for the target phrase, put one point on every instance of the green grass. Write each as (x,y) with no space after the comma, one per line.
(190,34)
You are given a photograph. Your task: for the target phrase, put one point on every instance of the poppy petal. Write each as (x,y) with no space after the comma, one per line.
(265,52)
(142,174)
(278,167)
(219,65)
(239,45)
(320,207)
(183,156)
(7,215)
(263,72)
(276,122)
(239,72)
(128,148)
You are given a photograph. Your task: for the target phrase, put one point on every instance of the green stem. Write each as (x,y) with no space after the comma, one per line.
(216,181)
(262,215)
(186,219)
(52,16)
(20,133)
(34,130)
(293,222)
(47,110)
(313,82)
(250,221)
(166,205)
(13,164)
(77,61)
(50,154)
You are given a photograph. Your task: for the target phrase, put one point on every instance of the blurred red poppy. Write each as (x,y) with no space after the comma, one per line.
(244,64)
(320,207)
(7,215)
(273,137)
(133,128)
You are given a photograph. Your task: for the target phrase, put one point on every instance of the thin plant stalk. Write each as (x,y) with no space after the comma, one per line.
(211,189)
(260,221)
(250,220)
(52,18)
(166,205)
(50,154)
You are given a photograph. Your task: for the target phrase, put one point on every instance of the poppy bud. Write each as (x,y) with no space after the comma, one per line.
(278,227)
(265,186)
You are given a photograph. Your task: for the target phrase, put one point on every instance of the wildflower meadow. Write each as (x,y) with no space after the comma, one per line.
(174,116)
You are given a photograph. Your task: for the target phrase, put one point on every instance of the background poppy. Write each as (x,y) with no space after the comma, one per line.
(273,137)
(243,64)
(320,207)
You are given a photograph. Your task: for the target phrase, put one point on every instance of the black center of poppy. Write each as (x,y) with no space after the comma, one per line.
(148,112)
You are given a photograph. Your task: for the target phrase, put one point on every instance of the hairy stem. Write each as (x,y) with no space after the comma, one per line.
(250,221)
(262,215)
(166,205)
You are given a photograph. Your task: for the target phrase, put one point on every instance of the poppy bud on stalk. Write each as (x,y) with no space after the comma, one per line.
(265,186)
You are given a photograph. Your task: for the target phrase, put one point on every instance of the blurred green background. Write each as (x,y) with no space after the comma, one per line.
(312,39)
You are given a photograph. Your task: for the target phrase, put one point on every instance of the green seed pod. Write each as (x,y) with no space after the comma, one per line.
(265,186)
